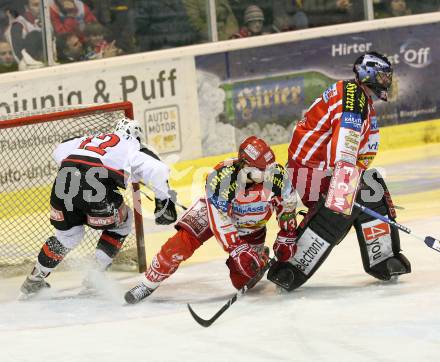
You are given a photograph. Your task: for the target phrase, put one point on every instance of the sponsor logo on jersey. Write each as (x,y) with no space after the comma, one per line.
(349,101)
(250,224)
(351,121)
(100,220)
(373,146)
(311,248)
(377,236)
(247,209)
(365,159)
(354,100)
(373,122)
(221,205)
(329,93)
(219,175)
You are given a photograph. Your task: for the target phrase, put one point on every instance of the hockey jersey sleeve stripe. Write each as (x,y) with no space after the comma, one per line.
(317,144)
(93,164)
(316,129)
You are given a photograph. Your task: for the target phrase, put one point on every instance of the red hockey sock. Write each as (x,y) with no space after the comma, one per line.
(177,249)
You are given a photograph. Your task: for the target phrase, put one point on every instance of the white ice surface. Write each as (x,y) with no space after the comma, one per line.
(341,314)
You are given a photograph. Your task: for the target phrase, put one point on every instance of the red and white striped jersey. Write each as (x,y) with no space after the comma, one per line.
(340,125)
(235,210)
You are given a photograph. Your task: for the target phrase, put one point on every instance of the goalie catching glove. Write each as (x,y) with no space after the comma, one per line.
(285,245)
(247,260)
(165,210)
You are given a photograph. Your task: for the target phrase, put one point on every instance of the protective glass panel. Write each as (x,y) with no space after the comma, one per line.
(21,46)
(393,8)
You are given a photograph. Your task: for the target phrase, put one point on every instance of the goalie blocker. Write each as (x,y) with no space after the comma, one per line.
(322,229)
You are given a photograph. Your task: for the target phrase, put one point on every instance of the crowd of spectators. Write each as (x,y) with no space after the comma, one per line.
(93,29)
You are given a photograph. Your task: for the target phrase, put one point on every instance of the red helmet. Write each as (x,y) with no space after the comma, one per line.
(256,152)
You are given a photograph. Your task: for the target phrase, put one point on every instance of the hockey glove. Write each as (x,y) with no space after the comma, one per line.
(285,245)
(165,210)
(247,260)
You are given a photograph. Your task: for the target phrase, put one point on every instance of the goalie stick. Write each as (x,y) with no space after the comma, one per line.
(233,299)
(428,240)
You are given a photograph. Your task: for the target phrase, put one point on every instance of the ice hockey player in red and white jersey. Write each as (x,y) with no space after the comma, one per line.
(328,157)
(85,192)
(241,195)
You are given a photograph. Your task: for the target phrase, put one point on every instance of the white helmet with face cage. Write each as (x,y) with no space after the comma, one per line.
(130,128)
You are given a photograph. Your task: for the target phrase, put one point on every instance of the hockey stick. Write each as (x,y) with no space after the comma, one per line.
(175,203)
(428,240)
(149,197)
(233,299)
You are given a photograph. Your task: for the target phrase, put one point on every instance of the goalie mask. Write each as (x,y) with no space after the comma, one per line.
(130,129)
(374,70)
(257,157)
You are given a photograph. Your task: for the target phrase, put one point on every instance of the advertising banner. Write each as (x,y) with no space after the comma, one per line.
(159,92)
(266,90)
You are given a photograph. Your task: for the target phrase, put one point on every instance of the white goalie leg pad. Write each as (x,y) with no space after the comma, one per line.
(70,238)
(125,228)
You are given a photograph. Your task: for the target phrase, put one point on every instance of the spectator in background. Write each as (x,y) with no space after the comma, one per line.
(4,20)
(253,20)
(239,7)
(162,24)
(32,54)
(96,46)
(328,12)
(390,8)
(118,18)
(69,48)
(70,16)
(227,24)
(398,8)
(288,15)
(24,18)
(7,61)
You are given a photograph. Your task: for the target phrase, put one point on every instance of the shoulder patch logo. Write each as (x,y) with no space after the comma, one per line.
(329,93)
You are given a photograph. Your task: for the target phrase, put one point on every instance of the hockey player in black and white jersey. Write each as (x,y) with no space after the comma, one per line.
(85,192)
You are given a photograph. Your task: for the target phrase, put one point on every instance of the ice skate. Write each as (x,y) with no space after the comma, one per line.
(33,284)
(395,268)
(138,293)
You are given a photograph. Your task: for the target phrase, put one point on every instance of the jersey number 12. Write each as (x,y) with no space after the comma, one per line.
(110,140)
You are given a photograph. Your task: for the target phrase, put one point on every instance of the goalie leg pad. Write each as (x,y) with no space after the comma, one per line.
(177,249)
(378,241)
(318,234)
